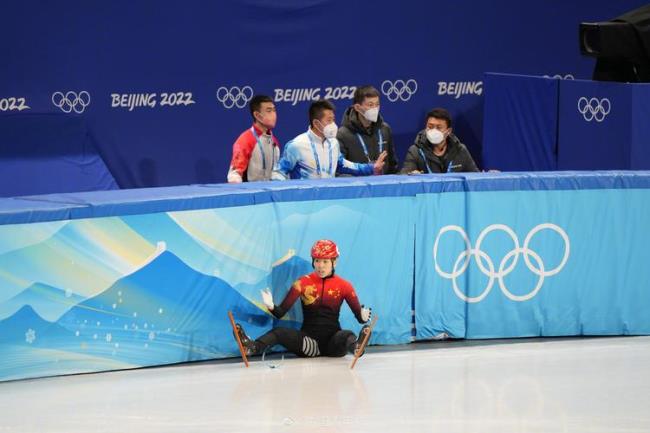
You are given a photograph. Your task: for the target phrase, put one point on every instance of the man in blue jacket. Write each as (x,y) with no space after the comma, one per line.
(315,154)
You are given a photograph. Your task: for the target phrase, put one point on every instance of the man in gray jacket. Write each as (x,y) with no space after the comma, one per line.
(436,149)
(363,134)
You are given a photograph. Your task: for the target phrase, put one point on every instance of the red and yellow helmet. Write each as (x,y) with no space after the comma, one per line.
(324,249)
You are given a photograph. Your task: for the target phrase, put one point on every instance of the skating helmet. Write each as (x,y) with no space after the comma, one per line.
(324,249)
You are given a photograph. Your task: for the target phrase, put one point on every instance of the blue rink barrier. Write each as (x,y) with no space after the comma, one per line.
(124,279)
(539,123)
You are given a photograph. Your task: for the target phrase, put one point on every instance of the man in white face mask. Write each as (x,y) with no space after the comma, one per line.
(363,134)
(256,150)
(315,154)
(437,149)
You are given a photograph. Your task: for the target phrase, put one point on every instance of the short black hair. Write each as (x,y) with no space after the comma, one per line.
(317,107)
(440,113)
(256,103)
(364,92)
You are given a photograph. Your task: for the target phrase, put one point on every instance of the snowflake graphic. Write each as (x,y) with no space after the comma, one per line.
(152,335)
(109,337)
(30,336)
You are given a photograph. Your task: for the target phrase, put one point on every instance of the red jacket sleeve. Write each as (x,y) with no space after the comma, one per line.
(353,301)
(289,300)
(242,151)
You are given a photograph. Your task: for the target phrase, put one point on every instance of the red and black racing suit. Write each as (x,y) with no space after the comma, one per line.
(321,332)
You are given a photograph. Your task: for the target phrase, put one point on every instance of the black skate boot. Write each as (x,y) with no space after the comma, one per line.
(250,346)
(360,344)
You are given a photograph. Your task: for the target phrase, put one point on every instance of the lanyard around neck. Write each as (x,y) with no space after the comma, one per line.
(317,159)
(259,144)
(426,164)
(365,148)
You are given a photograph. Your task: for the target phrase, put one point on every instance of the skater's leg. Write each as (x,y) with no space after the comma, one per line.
(345,341)
(293,340)
(341,343)
(366,330)
(250,347)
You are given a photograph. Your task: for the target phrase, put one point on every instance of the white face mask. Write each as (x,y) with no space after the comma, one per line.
(371,114)
(434,136)
(330,130)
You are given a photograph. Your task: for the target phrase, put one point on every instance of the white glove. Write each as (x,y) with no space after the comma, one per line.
(267,298)
(366,313)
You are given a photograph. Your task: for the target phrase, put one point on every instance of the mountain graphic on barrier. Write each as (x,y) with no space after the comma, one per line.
(26,327)
(74,258)
(284,272)
(199,256)
(47,301)
(165,312)
(165,296)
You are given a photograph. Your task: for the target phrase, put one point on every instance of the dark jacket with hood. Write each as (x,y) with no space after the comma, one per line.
(456,158)
(352,149)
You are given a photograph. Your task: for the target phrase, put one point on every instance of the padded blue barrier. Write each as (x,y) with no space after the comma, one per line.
(151,200)
(603,126)
(17,211)
(520,122)
(535,123)
(640,146)
(130,278)
(534,262)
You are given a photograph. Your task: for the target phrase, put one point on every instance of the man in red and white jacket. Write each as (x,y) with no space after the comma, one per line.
(256,150)
(321,294)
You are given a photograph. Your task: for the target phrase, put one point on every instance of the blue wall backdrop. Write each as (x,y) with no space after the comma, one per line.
(160,85)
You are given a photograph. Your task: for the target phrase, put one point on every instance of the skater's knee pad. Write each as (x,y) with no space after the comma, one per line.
(310,347)
(338,352)
(340,343)
(351,343)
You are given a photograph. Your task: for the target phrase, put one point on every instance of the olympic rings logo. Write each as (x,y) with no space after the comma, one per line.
(234,96)
(487,266)
(594,108)
(399,89)
(71,101)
